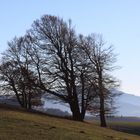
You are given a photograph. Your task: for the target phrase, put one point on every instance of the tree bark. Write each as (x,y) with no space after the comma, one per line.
(101,96)
(76,115)
(102,113)
(29,101)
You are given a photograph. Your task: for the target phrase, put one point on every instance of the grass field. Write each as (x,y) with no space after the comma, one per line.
(127,127)
(21,125)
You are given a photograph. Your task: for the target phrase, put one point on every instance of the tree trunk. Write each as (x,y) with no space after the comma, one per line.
(76,115)
(29,101)
(17,95)
(83,99)
(102,98)
(83,114)
(24,98)
(102,112)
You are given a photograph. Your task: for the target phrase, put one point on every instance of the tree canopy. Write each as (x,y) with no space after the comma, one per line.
(52,58)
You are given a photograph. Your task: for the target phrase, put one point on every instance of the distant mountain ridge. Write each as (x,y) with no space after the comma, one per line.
(127,105)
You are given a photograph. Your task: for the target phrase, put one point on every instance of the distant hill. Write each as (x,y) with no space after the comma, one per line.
(127,105)
(9,99)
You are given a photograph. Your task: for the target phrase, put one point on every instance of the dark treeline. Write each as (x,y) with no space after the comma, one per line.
(51,58)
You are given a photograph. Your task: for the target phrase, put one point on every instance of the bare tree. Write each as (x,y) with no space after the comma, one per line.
(15,72)
(52,59)
(102,59)
(64,64)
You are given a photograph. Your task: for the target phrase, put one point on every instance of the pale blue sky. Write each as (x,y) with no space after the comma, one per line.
(117,20)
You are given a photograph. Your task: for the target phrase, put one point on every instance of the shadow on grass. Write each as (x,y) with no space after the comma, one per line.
(127,129)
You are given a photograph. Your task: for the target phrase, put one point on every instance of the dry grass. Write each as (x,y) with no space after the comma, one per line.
(22,125)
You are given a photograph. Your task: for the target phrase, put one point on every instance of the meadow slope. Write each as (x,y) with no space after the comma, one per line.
(16,124)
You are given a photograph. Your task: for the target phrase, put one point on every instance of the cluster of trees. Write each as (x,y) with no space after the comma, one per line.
(51,58)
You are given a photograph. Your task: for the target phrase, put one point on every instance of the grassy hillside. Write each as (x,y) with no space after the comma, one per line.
(22,125)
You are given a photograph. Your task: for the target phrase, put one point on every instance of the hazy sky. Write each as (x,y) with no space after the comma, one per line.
(117,20)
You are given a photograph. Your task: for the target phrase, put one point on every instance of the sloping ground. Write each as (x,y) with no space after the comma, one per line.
(127,127)
(16,124)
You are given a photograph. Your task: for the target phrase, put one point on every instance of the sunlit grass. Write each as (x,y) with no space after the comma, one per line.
(20,125)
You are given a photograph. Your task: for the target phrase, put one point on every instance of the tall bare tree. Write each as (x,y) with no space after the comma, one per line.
(63,58)
(51,58)
(102,61)
(16,74)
